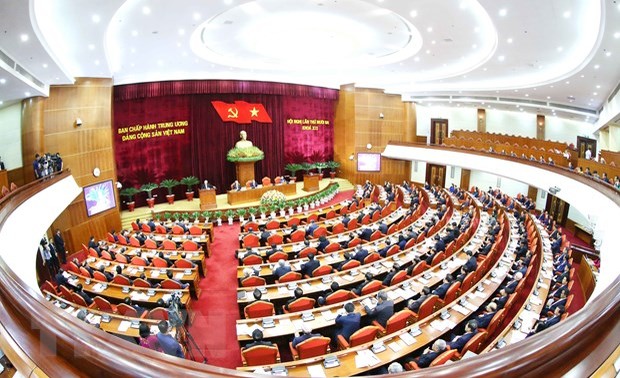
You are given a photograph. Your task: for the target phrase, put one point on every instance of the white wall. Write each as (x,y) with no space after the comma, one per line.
(10,136)
(511,123)
(483,180)
(459,118)
(566,130)
(418,175)
(456,180)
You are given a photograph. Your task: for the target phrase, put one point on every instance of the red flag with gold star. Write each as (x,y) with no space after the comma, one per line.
(241,112)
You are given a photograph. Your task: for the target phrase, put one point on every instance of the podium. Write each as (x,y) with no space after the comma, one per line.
(245,171)
(207,199)
(311,183)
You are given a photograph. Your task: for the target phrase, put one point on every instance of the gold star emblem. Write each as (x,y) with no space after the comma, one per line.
(254,112)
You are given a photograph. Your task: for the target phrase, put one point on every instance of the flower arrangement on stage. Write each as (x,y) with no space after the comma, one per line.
(245,154)
(272,197)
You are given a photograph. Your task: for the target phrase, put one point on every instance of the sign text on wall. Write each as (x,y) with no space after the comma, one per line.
(152,130)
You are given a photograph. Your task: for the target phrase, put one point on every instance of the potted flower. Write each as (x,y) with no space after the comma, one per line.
(230,215)
(293,168)
(218,216)
(319,167)
(253,211)
(130,194)
(148,188)
(241,213)
(189,182)
(169,184)
(332,165)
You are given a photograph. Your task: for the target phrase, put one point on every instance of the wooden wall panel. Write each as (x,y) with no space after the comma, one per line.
(358,122)
(17,176)
(82,148)
(32,134)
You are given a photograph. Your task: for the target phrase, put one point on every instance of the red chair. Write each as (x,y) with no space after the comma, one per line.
(158,262)
(321,271)
(66,293)
(134,242)
(293,222)
(126,310)
(359,337)
(468,281)
(252,260)
(169,245)
(100,276)
(426,308)
(306,251)
(106,255)
(300,304)
(355,242)
(275,239)
(438,258)
(122,240)
(278,256)
(371,287)
(85,272)
(352,225)
(183,264)
(49,287)
(330,214)
(260,355)
(450,296)
(298,235)
(158,313)
(312,347)
(372,257)
(253,281)
(190,245)
(103,305)
(139,282)
(119,257)
(177,230)
(339,296)
(320,231)
(138,261)
(399,277)
(410,243)
(121,280)
(259,309)
(350,265)
(474,344)
(92,253)
(338,228)
(78,300)
(312,217)
(251,241)
(290,276)
(393,250)
(150,244)
(195,230)
(332,247)
(134,226)
(272,225)
(376,235)
(365,219)
(396,322)
(250,225)
(444,357)
(495,322)
(171,284)
(110,238)
(146,228)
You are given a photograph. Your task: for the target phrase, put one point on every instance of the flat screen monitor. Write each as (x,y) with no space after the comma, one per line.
(368,162)
(99,197)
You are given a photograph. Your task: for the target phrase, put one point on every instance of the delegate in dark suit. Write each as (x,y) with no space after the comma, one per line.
(460,341)
(365,234)
(426,359)
(382,312)
(309,267)
(348,324)
(360,255)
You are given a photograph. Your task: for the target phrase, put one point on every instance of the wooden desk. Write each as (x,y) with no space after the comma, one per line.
(207,199)
(311,183)
(253,195)
(196,257)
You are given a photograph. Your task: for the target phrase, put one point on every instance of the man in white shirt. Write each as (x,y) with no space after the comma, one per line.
(589,153)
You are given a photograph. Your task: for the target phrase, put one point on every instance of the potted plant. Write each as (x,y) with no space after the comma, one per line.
(184,216)
(299,203)
(169,184)
(293,168)
(307,167)
(148,188)
(305,202)
(273,208)
(319,167)
(167,215)
(332,165)
(312,201)
(189,182)
(196,216)
(263,210)
(230,215)
(206,215)
(130,194)
(290,205)
(253,211)
(282,207)
(218,216)
(241,213)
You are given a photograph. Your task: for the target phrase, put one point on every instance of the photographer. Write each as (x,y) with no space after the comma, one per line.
(167,342)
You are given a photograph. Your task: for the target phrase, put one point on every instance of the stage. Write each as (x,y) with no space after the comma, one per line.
(181,204)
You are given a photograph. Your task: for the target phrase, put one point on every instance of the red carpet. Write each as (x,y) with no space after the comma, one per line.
(579,299)
(216,310)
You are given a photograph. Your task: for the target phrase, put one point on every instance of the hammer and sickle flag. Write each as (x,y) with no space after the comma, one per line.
(241,112)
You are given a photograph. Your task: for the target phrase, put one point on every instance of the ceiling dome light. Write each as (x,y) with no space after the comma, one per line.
(503,12)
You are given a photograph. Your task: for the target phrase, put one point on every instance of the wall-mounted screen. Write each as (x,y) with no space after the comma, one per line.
(368,162)
(99,197)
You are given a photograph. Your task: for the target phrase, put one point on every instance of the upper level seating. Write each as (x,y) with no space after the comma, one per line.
(511,139)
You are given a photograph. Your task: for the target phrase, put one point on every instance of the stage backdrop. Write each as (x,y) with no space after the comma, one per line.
(172,130)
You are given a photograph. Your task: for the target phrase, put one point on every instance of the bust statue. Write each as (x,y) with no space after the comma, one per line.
(243,142)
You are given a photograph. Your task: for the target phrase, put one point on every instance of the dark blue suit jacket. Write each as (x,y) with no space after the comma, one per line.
(361,255)
(303,337)
(348,324)
(461,341)
(485,319)
(365,235)
(311,228)
(322,245)
(442,289)
(383,228)
(382,312)
(281,270)
(426,359)
(309,267)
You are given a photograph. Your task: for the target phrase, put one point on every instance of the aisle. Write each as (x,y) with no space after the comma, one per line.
(216,310)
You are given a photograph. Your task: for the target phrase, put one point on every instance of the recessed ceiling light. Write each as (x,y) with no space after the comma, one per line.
(134,33)
(413,13)
(617,35)
(227,2)
(27,94)
(2,81)
(608,54)
(560,48)
(567,82)
(516,90)
(595,93)
(146,10)
(548,97)
(428,51)
(97,62)
(598,87)
(484,69)
(501,58)
(597,66)
(196,16)
(433,42)
(582,76)
(503,12)
(91,46)
(1,102)
(45,66)
(474,46)
(181,31)
(476,29)
(23,37)
(416,59)
(96,18)
(429,29)
(509,40)
(566,14)
(133,50)
(527,95)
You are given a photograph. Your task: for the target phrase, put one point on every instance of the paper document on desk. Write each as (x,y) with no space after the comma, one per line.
(423,280)
(348,277)
(306,286)
(460,309)
(366,358)
(242,329)
(395,346)
(328,315)
(286,322)
(283,290)
(392,295)
(154,273)
(69,309)
(138,296)
(298,323)
(369,302)
(407,338)
(316,371)
(535,300)
(179,276)
(98,288)
(124,326)
(439,325)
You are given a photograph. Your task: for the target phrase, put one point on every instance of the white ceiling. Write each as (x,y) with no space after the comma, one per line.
(551,56)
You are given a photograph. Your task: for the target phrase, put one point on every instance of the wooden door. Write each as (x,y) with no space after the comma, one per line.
(557,209)
(436,174)
(439,130)
(583,144)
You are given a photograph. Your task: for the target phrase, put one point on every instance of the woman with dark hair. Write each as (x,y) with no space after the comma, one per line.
(148,340)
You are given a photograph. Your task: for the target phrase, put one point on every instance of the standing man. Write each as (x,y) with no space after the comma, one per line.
(59,243)
(168,343)
(46,256)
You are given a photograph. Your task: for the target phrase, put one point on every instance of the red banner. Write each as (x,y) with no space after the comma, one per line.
(241,112)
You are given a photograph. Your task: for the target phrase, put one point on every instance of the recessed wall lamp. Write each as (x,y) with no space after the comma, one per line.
(368,146)
(351,157)
(78,122)
(381,115)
